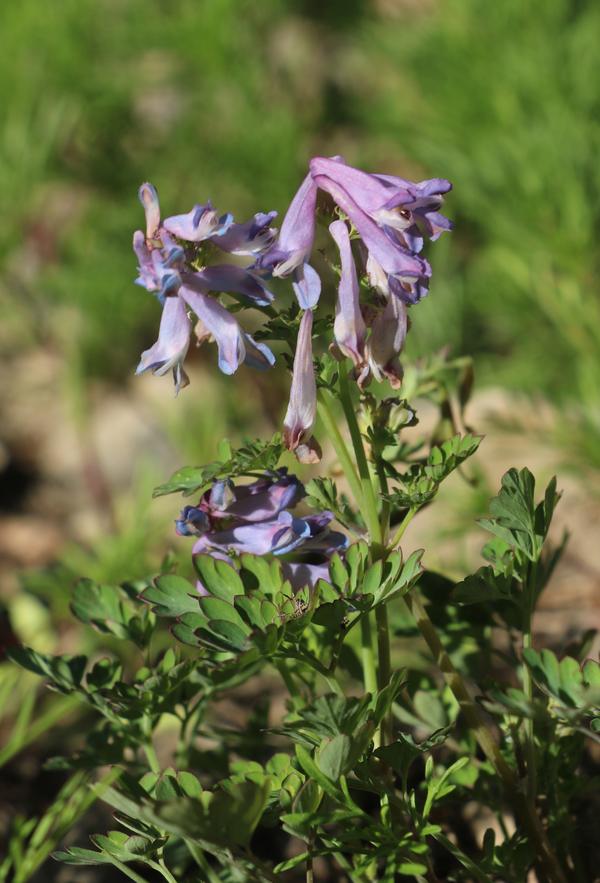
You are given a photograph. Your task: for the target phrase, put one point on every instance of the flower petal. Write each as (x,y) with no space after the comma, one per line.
(222,326)
(388,334)
(295,241)
(349,327)
(251,238)
(307,286)
(199,224)
(394,259)
(149,199)
(235,280)
(258,355)
(170,349)
(302,408)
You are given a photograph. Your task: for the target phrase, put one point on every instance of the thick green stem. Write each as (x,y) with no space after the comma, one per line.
(368,656)
(331,428)
(367,495)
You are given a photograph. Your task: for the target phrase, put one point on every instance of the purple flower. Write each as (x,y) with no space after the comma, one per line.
(388,333)
(302,408)
(163,269)
(395,204)
(399,271)
(231,520)
(201,223)
(349,327)
(170,349)
(252,238)
(262,500)
(291,251)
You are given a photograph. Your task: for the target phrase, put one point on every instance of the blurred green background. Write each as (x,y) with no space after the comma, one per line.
(227,100)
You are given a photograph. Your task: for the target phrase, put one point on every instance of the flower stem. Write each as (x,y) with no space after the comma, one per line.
(367,495)
(528,683)
(377,530)
(331,428)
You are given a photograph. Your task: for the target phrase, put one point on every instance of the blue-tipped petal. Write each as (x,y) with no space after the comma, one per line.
(307,286)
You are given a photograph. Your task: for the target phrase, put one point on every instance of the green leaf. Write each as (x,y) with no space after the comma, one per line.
(216,608)
(322,493)
(484,586)
(64,672)
(172,596)
(421,482)
(335,757)
(314,772)
(254,456)
(219,578)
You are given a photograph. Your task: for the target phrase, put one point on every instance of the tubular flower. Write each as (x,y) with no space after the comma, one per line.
(290,252)
(400,211)
(395,204)
(164,268)
(388,333)
(399,271)
(231,520)
(302,408)
(349,327)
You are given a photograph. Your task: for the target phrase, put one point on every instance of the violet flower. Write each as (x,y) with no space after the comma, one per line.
(291,251)
(231,520)
(302,407)
(252,238)
(395,204)
(349,327)
(395,269)
(388,333)
(164,269)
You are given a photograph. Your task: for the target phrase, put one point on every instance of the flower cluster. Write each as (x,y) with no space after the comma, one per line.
(171,257)
(388,218)
(232,519)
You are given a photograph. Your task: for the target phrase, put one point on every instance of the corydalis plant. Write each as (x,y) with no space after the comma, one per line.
(386,749)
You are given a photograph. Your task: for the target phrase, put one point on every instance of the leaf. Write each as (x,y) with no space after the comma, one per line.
(335,757)
(233,636)
(219,578)
(314,772)
(322,493)
(484,586)
(216,608)
(515,517)
(172,596)
(65,672)
(421,482)
(254,456)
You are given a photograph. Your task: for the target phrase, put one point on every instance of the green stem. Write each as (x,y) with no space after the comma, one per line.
(331,428)
(367,655)
(163,870)
(201,861)
(402,527)
(384,672)
(287,678)
(528,684)
(369,500)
